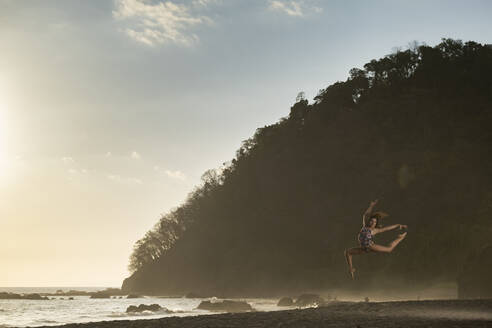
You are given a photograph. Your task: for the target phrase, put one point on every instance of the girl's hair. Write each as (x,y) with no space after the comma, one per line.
(378,216)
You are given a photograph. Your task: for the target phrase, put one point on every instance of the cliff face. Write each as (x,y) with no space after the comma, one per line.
(412,129)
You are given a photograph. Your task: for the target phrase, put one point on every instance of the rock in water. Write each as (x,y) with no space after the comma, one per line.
(309,300)
(226,305)
(100,294)
(34,297)
(144,307)
(133,296)
(13,296)
(285,301)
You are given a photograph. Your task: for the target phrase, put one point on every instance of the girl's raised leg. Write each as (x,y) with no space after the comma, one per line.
(390,247)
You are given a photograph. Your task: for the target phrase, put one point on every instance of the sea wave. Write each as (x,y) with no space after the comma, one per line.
(15,313)
(143,313)
(177,311)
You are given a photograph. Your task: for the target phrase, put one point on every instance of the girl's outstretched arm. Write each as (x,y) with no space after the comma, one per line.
(367,213)
(391,227)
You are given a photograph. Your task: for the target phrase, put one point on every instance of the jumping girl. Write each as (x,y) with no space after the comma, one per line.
(369,229)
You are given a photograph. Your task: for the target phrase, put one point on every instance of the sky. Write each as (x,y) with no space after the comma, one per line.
(111,110)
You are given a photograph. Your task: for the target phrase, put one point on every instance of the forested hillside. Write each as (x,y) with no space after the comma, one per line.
(413,129)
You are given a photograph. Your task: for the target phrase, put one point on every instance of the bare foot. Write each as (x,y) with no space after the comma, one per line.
(351,272)
(402,235)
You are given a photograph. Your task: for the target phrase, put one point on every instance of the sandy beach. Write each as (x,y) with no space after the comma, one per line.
(435,313)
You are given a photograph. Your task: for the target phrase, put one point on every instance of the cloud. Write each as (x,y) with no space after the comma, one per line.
(162,22)
(297,8)
(172,174)
(75,174)
(176,174)
(67,160)
(204,3)
(108,154)
(135,155)
(124,180)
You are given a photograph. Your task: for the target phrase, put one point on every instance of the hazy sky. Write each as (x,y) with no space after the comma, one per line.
(111,110)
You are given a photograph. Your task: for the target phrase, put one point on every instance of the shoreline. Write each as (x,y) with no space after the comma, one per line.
(435,313)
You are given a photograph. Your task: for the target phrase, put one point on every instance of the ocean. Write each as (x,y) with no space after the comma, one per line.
(61,310)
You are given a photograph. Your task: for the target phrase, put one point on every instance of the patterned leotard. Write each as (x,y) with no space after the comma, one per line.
(365,238)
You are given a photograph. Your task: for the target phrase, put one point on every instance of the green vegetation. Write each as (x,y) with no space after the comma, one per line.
(413,129)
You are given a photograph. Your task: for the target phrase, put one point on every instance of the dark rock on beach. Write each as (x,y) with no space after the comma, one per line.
(226,305)
(309,300)
(285,301)
(144,307)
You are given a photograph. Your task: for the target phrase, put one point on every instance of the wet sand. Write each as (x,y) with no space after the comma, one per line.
(435,313)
